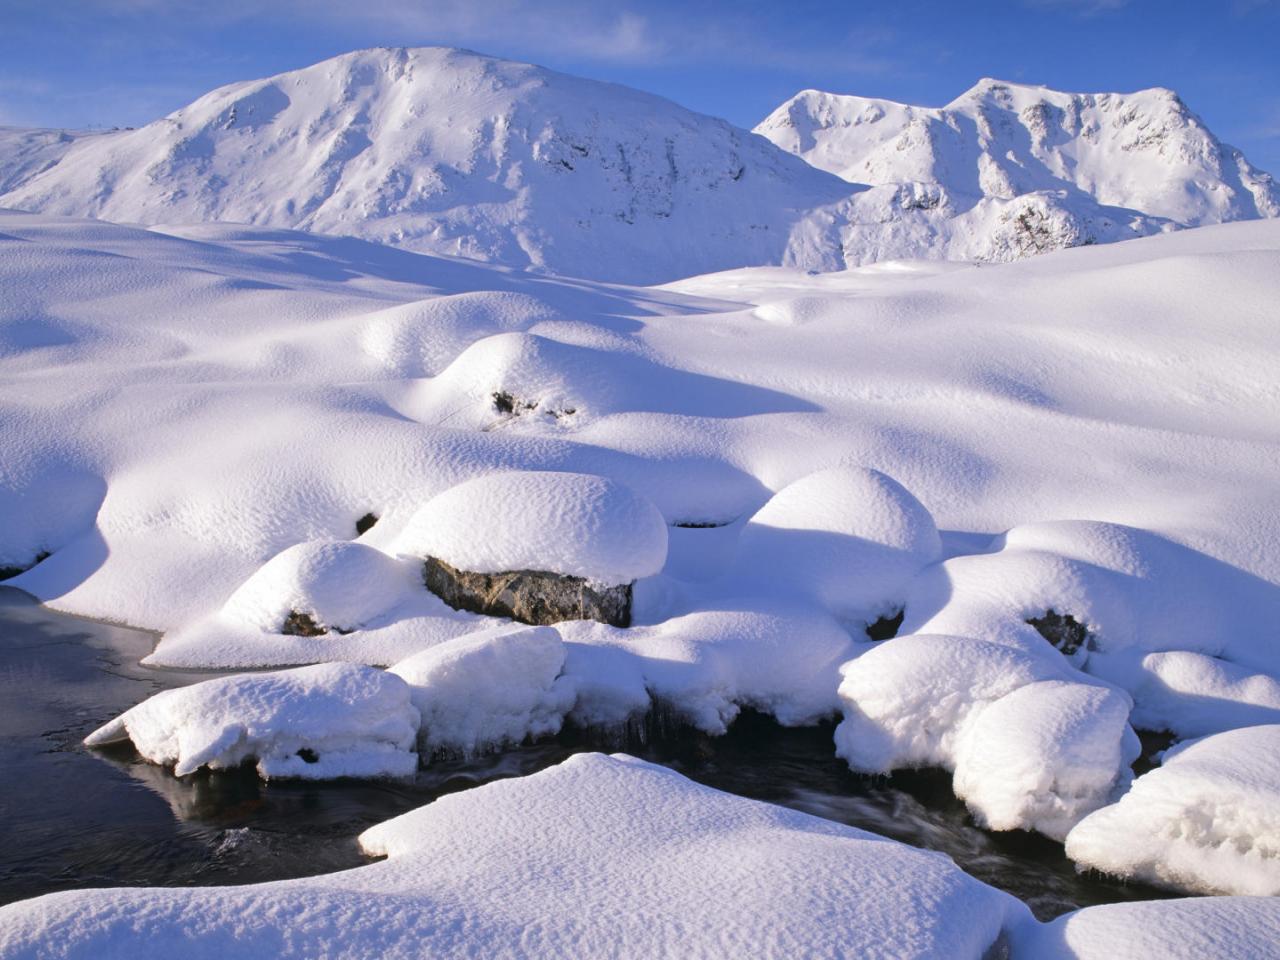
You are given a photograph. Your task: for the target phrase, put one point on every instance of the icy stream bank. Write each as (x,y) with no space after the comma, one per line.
(91,818)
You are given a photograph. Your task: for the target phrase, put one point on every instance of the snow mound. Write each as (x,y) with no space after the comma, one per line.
(1030,747)
(489,689)
(848,536)
(1192,695)
(1207,820)
(421,339)
(780,658)
(331,720)
(1045,755)
(340,584)
(599,856)
(1157,930)
(566,523)
(1134,591)
(906,700)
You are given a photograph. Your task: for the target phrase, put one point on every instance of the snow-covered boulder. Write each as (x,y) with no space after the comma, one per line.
(907,700)
(539,547)
(489,689)
(849,537)
(1207,820)
(336,585)
(1045,755)
(597,857)
(1190,929)
(331,720)
(1031,747)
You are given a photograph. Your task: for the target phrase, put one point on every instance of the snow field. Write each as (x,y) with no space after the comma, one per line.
(194,426)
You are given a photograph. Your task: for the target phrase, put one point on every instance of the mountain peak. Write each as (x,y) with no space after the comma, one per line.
(1145,153)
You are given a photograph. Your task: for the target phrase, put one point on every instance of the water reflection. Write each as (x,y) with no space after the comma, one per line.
(74,818)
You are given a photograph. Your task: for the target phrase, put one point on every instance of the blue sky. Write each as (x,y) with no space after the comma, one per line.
(124,62)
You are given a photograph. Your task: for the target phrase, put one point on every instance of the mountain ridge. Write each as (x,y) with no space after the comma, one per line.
(447,151)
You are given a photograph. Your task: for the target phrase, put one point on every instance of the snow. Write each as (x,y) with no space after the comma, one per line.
(567,523)
(489,689)
(1046,755)
(1206,820)
(771,654)
(329,720)
(965,442)
(1192,695)
(600,856)
(849,536)
(1158,930)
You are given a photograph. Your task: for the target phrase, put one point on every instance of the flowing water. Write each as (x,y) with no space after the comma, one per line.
(72,817)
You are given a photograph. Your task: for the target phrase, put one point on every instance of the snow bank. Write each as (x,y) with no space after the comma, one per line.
(600,856)
(332,720)
(1030,746)
(1207,820)
(848,536)
(489,689)
(566,523)
(1157,930)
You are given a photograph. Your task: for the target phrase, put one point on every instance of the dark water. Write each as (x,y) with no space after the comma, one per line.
(71,817)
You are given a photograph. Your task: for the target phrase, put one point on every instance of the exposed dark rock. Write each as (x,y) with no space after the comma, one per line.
(701,524)
(302,625)
(530,596)
(509,405)
(308,755)
(886,628)
(1063,631)
(365,524)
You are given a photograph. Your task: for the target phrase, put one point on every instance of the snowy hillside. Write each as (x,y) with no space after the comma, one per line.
(1006,169)
(451,152)
(25,153)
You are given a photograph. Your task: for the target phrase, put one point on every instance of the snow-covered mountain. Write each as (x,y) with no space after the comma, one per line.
(448,151)
(1007,169)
